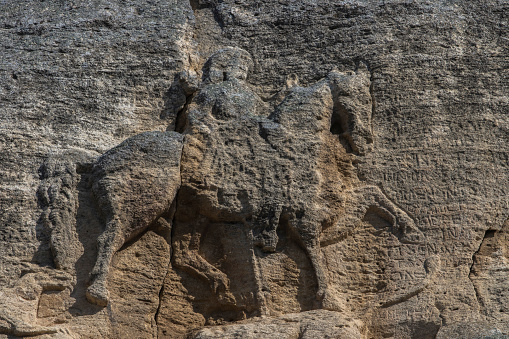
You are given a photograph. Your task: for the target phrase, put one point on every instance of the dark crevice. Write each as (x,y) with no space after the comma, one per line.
(290,232)
(181,119)
(487,235)
(302,332)
(197,5)
(218,18)
(172,233)
(200,4)
(340,126)
(373,101)
(175,208)
(154,226)
(263,132)
(442,323)
(156,315)
(171,214)
(339,121)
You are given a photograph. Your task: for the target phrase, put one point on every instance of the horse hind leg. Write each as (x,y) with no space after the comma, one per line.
(108,243)
(325,298)
(314,257)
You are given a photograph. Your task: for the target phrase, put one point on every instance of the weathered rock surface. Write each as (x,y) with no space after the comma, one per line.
(310,324)
(341,171)
(134,185)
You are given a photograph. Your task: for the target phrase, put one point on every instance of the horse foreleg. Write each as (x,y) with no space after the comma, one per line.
(108,243)
(315,258)
(372,196)
(410,232)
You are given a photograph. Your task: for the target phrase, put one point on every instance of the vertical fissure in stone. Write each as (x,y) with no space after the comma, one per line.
(173,213)
(372,94)
(156,315)
(181,119)
(488,234)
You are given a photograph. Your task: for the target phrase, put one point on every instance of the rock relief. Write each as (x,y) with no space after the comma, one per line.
(241,174)
(255,172)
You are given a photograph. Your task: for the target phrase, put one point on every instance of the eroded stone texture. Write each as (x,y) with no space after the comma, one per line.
(135,282)
(36,296)
(440,144)
(58,197)
(134,184)
(489,274)
(75,78)
(306,325)
(265,190)
(361,167)
(80,77)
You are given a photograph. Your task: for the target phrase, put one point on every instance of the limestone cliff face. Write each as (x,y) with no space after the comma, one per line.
(226,169)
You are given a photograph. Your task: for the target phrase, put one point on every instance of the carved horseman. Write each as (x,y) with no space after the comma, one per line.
(259,173)
(242,176)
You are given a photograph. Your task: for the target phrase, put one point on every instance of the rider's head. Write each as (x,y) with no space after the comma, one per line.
(227,64)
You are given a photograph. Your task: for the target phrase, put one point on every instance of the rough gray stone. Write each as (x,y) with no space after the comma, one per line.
(392,208)
(134,185)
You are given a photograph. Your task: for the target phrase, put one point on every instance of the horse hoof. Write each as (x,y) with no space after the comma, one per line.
(331,302)
(97,294)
